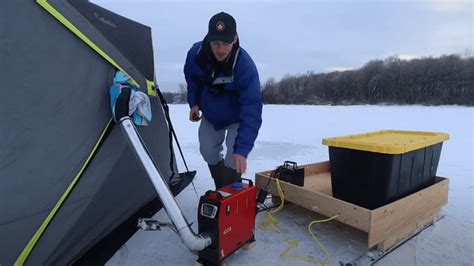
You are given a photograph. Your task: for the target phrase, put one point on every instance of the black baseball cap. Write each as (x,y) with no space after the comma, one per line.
(222,27)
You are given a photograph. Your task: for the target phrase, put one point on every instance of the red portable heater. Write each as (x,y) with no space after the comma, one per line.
(228,216)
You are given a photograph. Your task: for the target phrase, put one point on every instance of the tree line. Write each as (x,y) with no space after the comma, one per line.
(445,80)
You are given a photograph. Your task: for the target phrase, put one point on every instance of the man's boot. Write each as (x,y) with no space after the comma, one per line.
(223,175)
(231,175)
(217,173)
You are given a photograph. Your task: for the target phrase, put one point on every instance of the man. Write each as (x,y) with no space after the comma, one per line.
(223,84)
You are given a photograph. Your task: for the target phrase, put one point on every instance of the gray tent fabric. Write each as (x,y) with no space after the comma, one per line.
(54,111)
(114,28)
(87,28)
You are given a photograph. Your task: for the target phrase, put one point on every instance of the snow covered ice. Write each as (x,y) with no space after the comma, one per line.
(295,133)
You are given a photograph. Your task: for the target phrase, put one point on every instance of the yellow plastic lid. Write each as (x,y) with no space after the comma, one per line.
(387,141)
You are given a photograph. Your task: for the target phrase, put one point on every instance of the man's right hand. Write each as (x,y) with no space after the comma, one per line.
(194,114)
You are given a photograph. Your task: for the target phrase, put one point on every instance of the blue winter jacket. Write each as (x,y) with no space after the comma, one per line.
(226,93)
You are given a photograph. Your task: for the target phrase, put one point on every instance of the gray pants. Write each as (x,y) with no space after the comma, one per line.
(210,142)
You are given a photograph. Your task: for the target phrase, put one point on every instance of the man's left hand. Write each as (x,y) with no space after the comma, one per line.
(240,163)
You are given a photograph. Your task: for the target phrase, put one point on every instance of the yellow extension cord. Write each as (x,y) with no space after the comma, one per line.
(270,223)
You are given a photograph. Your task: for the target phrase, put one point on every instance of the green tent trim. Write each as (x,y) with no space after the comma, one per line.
(31,244)
(78,33)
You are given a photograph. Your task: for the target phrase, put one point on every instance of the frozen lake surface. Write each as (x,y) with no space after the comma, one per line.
(295,133)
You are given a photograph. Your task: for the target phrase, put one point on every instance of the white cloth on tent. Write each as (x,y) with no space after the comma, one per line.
(140,105)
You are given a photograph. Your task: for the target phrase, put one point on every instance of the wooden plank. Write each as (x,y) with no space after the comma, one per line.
(407,231)
(393,219)
(319,183)
(316,168)
(350,214)
(262,180)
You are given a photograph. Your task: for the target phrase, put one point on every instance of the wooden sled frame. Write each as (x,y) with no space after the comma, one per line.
(386,226)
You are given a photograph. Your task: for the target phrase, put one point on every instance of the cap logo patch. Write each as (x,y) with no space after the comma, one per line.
(220,26)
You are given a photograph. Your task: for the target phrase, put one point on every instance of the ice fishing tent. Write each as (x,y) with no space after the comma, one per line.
(69,183)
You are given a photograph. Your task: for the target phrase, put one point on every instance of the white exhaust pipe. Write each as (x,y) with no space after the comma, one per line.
(191,240)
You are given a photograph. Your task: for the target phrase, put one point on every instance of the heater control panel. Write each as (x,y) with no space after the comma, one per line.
(208,210)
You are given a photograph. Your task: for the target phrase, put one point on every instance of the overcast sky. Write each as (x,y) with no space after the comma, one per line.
(294,37)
